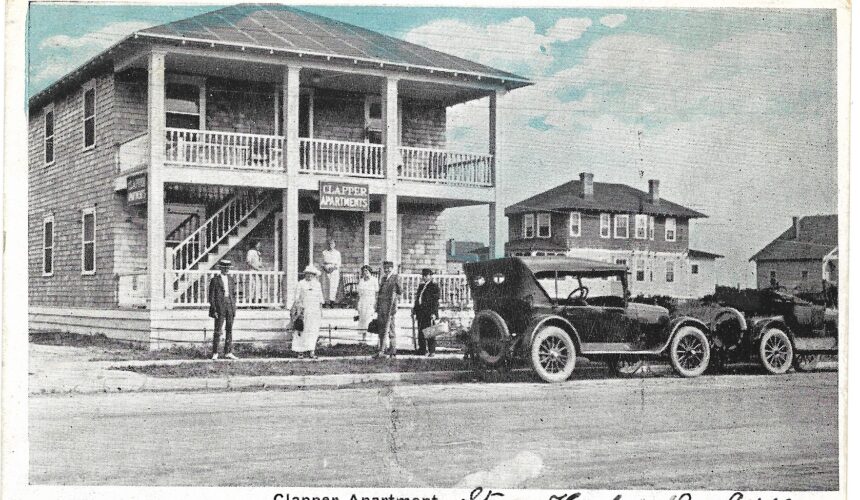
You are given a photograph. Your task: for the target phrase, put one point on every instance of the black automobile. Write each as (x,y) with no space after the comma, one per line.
(777,329)
(548,310)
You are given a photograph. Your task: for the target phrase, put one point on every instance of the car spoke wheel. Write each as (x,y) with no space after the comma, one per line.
(490,336)
(625,365)
(689,352)
(806,362)
(775,351)
(553,354)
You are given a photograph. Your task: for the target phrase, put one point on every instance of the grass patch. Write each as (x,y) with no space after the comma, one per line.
(286,368)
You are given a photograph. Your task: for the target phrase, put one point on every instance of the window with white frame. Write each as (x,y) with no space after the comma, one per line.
(651,227)
(605,226)
(641,227)
(529,226)
(89,116)
(671,232)
(48,246)
(49,135)
(622,226)
(88,241)
(544,225)
(640,269)
(670,271)
(575,224)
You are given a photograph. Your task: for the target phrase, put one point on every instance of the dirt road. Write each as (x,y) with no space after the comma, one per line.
(722,432)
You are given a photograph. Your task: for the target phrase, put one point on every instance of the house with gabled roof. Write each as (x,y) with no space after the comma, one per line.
(619,224)
(803,257)
(182,144)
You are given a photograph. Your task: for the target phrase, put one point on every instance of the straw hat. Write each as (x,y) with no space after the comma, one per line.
(311,269)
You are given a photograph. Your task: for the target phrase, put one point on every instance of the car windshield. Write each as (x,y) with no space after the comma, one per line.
(601,289)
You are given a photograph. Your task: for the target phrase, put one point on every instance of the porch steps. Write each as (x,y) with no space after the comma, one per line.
(267,207)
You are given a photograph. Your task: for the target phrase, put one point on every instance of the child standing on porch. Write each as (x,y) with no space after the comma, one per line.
(331,273)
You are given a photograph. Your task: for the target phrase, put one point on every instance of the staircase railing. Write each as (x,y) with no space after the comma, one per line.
(194,248)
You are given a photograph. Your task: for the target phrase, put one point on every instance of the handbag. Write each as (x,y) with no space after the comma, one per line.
(299,324)
(434,331)
(373,326)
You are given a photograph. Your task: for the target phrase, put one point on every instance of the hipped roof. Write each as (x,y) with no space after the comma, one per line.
(819,235)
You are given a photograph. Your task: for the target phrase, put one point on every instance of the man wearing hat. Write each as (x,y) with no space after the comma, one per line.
(386,308)
(222,307)
(426,311)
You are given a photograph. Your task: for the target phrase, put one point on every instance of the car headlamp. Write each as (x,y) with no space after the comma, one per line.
(498,278)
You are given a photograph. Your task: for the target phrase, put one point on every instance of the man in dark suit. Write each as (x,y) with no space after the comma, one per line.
(222,307)
(426,311)
(386,307)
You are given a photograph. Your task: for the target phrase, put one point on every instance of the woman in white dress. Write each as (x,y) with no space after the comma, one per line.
(308,304)
(368,286)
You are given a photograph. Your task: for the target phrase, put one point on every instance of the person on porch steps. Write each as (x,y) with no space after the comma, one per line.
(331,273)
(426,311)
(222,308)
(252,258)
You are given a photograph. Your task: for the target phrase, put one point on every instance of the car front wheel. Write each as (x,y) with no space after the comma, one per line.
(689,352)
(553,354)
(775,351)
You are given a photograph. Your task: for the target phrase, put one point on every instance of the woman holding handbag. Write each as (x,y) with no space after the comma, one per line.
(368,287)
(307,310)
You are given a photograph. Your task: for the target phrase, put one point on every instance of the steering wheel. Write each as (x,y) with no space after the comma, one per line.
(578,295)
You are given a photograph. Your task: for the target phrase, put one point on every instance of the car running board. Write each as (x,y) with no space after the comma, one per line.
(618,348)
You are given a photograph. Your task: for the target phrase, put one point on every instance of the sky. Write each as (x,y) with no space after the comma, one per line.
(733,110)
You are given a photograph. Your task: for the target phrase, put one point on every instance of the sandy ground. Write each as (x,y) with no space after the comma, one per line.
(713,432)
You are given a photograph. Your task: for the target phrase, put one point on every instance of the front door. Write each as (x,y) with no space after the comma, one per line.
(304,244)
(306,225)
(374,239)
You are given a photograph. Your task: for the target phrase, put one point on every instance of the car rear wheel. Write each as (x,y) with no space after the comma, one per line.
(625,365)
(775,351)
(553,354)
(490,337)
(689,352)
(806,362)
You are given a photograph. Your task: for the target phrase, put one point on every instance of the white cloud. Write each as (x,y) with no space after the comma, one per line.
(512,45)
(739,130)
(569,28)
(100,39)
(613,20)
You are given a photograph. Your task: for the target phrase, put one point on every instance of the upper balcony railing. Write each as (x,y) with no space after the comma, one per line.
(264,153)
(351,159)
(446,167)
(206,148)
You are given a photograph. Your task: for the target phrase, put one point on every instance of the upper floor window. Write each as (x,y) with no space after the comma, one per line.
(622,226)
(48,246)
(89,117)
(641,227)
(671,231)
(88,241)
(694,269)
(605,226)
(529,226)
(575,224)
(182,102)
(670,271)
(49,136)
(773,281)
(804,275)
(621,262)
(651,227)
(544,225)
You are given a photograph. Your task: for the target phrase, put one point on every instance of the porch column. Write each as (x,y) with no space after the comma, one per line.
(493,218)
(155,245)
(392,162)
(290,195)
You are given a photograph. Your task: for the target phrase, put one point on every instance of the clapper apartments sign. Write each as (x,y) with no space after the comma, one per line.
(344,196)
(136,189)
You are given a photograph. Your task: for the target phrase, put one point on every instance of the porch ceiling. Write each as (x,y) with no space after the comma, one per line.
(256,71)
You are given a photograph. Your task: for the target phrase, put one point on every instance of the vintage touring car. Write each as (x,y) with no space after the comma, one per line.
(548,310)
(778,330)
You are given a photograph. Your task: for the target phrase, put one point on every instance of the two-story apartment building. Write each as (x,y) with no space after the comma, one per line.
(183,143)
(615,223)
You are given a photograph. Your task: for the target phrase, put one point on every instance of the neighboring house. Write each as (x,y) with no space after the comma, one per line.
(459,252)
(184,142)
(615,223)
(802,257)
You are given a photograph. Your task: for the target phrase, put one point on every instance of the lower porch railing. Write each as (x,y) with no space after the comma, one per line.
(253,288)
(453,288)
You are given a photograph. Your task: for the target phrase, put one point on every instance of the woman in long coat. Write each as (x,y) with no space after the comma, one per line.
(368,286)
(308,304)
